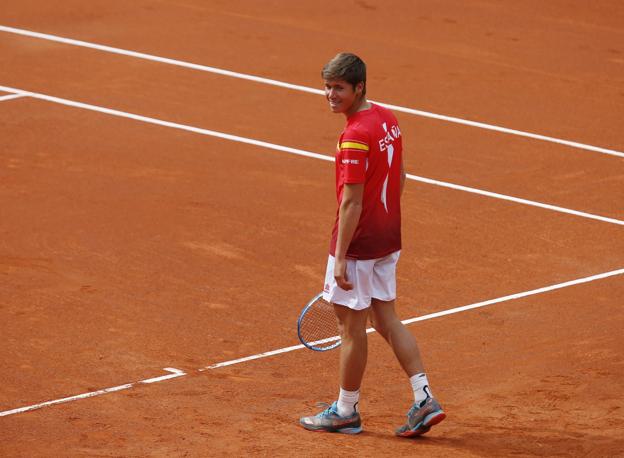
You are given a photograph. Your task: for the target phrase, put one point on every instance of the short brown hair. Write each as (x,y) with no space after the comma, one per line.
(347,67)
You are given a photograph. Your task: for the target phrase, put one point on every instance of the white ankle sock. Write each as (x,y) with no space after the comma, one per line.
(420,386)
(347,401)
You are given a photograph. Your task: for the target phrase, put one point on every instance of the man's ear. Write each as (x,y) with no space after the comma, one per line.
(359,87)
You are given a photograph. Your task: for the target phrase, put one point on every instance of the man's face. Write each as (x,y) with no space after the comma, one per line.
(341,95)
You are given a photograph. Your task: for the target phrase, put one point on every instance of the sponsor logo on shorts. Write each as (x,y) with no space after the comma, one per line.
(351,161)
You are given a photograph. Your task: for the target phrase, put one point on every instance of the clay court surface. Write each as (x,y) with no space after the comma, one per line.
(132,250)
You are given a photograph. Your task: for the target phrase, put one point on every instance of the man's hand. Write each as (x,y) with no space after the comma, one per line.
(340,274)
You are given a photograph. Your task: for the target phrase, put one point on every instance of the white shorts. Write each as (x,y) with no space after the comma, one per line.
(371,278)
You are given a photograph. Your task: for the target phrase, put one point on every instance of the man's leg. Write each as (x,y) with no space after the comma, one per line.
(402,342)
(354,346)
(426,410)
(342,416)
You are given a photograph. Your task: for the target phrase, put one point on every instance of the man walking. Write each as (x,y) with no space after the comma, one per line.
(360,279)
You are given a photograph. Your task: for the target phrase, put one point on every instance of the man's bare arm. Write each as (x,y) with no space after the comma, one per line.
(348,219)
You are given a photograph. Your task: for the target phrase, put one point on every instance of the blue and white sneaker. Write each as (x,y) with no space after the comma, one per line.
(421,417)
(329,421)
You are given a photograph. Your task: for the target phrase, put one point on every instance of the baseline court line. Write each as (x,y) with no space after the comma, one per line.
(11,97)
(430,316)
(296,87)
(174,374)
(299,152)
(178,373)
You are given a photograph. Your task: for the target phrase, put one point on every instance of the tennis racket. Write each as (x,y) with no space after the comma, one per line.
(317,327)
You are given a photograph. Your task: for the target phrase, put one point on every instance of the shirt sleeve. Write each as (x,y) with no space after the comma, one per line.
(354,148)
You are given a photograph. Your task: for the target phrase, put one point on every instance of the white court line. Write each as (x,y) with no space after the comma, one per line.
(300,152)
(518,200)
(178,373)
(430,316)
(296,87)
(174,374)
(11,97)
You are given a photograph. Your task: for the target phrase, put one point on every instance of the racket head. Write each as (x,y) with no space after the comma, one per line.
(317,327)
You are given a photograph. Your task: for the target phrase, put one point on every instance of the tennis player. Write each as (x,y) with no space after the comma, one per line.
(360,279)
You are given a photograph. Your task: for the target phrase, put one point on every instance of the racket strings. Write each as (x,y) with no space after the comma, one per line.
(319,323)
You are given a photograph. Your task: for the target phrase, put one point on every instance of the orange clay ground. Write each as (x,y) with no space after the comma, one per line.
(128,247)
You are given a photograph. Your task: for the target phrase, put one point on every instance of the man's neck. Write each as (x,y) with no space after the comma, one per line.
(361,105)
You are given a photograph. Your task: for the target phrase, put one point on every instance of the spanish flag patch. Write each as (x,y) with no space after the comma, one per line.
(354,144)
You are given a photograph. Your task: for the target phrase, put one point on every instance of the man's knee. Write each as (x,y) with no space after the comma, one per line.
(379,325)
(384,318)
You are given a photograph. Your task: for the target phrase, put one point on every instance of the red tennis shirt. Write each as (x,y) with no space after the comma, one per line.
(369,151)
